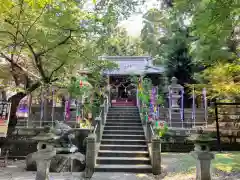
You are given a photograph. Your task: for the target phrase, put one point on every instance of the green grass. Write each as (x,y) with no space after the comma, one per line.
(185,163)
(227,162)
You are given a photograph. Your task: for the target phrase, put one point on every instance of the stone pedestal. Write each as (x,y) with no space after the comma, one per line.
(203,166)
(43,159)
(148,131)
(202,154)
(99,129)
(102,109)
(43,169)
(90,155)
(156,156)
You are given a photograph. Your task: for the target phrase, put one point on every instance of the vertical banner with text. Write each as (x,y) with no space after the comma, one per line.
(5,108)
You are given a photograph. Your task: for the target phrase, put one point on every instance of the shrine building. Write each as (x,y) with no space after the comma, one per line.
(122,90)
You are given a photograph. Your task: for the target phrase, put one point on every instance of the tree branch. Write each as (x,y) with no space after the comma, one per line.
(56,69)
(57,45)
(30,27)
(17,29)
(18,66)
(7,32)
(37,60)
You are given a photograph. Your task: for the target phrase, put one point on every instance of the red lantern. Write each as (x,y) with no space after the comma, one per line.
(80,83)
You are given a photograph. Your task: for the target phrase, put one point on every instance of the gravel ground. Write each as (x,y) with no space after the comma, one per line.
(175,167)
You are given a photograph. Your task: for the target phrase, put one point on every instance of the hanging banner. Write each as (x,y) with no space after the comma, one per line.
(153,100)
(5,108)
(23,108)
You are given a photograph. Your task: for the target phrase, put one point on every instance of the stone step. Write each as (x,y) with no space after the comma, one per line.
(123,104)
(123,117)
(123,113)
(123,121)
(118,123)
(123,136)
(124,107)
(115,147)
(132,132)
(107,153)
(123,141)
(122,127)
(139,168)
(123,160)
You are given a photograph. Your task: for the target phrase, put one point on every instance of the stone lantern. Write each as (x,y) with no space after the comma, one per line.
(174,89)
(202,154)
(44,154)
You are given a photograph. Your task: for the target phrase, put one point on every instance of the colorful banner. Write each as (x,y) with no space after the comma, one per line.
(23,108)
(5,108)
(153,101)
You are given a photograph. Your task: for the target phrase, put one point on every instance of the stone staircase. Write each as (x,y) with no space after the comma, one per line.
(123,146)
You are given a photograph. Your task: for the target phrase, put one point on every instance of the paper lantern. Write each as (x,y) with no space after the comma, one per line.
(80,83)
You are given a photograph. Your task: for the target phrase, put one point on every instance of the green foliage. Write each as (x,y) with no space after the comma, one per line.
(144,95)
(76,90)
(214,24)
(48,41)
(169,39)
(160,99)
(161,128)
(120,44)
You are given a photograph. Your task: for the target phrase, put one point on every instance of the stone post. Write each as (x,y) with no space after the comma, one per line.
(99,129)
(102,108)
(203,166)
(145,115)
(43,159)
(156,156)
(202,155)
(148,131)
(105,105)
(90,155)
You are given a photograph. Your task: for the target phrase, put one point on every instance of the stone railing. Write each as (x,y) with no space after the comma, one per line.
(154,147)
(154,143)
(94,139)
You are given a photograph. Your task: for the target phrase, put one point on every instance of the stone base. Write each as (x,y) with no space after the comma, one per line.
(203,166)
(59,163)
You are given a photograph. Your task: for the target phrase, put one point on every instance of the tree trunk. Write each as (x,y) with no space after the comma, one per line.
(15,99)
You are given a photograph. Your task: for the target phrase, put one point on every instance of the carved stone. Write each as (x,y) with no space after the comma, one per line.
(90,156)
(156,156)
(203,166)
(43,159)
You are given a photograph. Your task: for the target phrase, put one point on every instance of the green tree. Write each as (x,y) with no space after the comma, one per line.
(121,44)
(215,24)
(42,42)
(169,39)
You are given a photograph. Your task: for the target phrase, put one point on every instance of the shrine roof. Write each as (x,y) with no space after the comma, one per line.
(133,65)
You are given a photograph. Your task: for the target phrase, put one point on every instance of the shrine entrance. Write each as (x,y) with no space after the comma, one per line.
(123,91)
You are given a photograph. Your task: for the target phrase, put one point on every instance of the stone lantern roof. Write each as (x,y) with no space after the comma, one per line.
(46,135)
(200,137)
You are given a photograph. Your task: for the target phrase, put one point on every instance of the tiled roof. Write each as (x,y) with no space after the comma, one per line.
(133,65)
